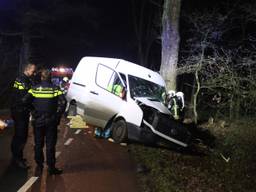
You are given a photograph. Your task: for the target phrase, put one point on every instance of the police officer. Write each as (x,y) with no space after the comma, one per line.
(20,114)
(176,104)
(49,104)
(64,84)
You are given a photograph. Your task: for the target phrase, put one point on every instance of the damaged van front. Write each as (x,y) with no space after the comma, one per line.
(156,123)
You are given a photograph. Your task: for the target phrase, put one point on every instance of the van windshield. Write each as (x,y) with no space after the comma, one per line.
(143,88)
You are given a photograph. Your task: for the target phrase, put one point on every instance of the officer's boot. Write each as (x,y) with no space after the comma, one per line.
(54,171)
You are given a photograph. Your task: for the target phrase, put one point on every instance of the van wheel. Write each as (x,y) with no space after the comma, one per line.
(119,131)
(72,110)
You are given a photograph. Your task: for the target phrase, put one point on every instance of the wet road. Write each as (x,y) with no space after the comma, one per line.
(89,164)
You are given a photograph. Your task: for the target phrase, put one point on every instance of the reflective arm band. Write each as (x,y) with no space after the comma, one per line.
(59,92)
(18,85)
(175,110)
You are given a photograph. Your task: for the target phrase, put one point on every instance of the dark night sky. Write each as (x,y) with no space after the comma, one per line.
(106,28)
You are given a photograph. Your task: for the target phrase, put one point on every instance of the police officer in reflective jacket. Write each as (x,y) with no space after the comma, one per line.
(20,114)
(49,104)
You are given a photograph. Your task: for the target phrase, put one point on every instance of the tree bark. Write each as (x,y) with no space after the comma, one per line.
(170,42)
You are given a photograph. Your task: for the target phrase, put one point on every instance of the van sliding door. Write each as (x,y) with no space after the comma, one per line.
(106,95)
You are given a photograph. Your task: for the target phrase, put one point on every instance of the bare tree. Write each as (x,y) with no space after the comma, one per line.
(224,76)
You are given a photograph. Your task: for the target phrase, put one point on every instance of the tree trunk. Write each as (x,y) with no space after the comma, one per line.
(170,42)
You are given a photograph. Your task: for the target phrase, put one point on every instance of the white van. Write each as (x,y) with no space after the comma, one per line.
(128,98)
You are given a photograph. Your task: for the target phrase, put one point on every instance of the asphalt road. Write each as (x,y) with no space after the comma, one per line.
(89,164)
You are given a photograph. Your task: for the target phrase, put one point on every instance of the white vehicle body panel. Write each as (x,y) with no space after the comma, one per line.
(132,113)
(93,101)
(155,104)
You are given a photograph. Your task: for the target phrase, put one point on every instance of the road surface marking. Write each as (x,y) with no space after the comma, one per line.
(28,184)
(68,141)
(78,131)
(57,154)
(123,144)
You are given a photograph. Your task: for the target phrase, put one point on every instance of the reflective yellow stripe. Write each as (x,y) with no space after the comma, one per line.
(42,94)
(21,88)
(59,92)
(45,94)
(18,85)
(176,116)
(49,92)
(44,89)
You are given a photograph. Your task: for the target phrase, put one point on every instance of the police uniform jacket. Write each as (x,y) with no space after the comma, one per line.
(48,102)
(20,88)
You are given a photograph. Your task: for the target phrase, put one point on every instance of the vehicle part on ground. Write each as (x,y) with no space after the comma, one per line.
(77,122)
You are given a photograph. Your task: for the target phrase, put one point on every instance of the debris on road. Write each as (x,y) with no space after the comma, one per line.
(111,140)
(77,122)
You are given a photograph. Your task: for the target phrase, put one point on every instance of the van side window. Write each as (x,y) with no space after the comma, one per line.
(104,75)
(108,79)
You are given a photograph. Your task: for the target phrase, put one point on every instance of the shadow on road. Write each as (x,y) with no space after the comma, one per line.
(13,179)
(48,183)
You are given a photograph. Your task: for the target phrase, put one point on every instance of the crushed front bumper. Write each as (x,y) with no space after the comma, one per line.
(157,125)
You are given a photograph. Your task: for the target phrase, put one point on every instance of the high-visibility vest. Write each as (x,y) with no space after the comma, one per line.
(116,89)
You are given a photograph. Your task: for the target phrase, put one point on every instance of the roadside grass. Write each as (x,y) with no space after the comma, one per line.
(210,170)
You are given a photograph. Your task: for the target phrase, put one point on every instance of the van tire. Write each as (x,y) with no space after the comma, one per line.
(72,110)
(119,131)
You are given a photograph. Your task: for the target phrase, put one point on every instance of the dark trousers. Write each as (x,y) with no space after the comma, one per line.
(45,134)
(21,121)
